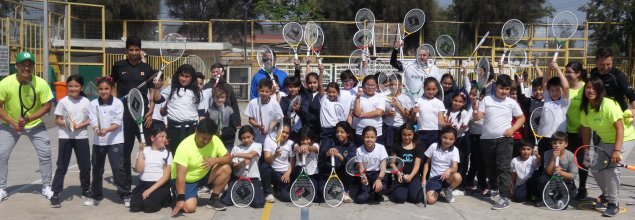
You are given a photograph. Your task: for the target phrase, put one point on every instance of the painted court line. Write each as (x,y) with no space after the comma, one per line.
(266,211)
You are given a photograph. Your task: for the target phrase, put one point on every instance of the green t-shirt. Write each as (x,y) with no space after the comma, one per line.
(9,94)
(602,121)
(189,155)
(573,114)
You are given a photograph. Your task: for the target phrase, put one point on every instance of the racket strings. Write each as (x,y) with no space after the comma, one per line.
(413,21)
(556,194)
(333,191)
(513,30)
(302,192)
(242,193)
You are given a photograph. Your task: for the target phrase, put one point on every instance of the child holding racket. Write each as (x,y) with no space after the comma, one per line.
(566,168)
(395,114)
(442,163)
(245,158)
(459,117)
(261,111)
(343,150)
(477,168)
(348,92)
(407,187)
(153,165)
(282,159)
(556,101)
(106,119)
(291,104)
(307,146)
(605,117)
(368,110)
(372,182)
(523,178)
(311,96)
(72,109)
(497,111)
(329,118)
(221,114)
(431,113)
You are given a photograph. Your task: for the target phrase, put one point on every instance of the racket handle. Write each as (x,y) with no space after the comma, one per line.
(332,160)
(629,167)
(555,56)
(502,59)
(319,59)
(304,159)
(156,78)
(295,55)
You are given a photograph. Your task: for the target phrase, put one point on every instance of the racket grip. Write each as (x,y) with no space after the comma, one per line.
(502,59)
(319,60)
(333,160)
(295,56)
(555,56)
(156,79)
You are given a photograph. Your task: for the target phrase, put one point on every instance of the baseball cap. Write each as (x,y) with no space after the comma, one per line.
(24,56)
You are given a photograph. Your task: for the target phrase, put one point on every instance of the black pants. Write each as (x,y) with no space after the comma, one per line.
(497,154)
(82,155)
(115,157)
(130,135)
(280,189)
(464,154)
(428,137)
(327,137)
(266,174)
(158,199)
(476,163)
(411,191)
(228,137)
(178,131)
(365,193)
(575,141)
(392,136)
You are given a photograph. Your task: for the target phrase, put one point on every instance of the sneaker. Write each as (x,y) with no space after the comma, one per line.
(494,195)
(126,201)
(91,202)
(611,210)
(458,192)
(47,192)
(55,201)
(3,195)
(601,204)
(347,198)
(448,195)
(86,194)
(582,194)
(203,190)
(214,203)
(502,203)
(270,199)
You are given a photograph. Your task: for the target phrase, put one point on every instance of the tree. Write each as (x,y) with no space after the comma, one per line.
(611,35)
(485,12)
(127,9)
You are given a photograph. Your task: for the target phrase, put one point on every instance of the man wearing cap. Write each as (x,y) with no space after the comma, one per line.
(13,124)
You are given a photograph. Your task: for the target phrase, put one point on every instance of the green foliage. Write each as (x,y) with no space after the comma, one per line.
(126,9)
(610,35)
(288,9)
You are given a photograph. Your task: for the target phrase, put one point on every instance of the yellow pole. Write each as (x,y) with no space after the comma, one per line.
(209,31)
(103,41)
(125,28)
(160,31)
(586,42)
(68,41)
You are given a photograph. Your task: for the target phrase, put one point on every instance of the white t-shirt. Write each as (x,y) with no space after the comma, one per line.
(155,161)
(369,104)
(441,160)
(413,67)
(557,122)
(498,115)
(281,163)
(268,111)
(328,118)
(253,166)
(181,107)
(109,113)
(429,109)
(398,120)
(524,169)
(466,116)
(374,157)
(156,114)
(311,160)
(78,111)
(476,127)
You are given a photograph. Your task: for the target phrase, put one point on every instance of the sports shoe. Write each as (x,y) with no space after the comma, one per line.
(270,198)
(126,201)
(502,203)
(55,201)
(214,203)
(611,210)
(448,195)
(46,192)
(601,205)
(347,198)
(86,195)
(3,195)
(582,194)
(203,190)
(91,202)
(494,195)
(458,192)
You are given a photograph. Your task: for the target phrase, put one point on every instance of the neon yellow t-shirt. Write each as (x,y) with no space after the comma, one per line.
(9,94)
(573,114)
(189,155)
(602,122)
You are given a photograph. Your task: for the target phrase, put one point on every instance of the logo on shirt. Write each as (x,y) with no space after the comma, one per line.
(143,73)
(123,73)
(407,158)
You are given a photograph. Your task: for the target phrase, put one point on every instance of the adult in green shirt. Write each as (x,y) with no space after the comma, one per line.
(605,117)
(576,74)
(200,159)
(15,124)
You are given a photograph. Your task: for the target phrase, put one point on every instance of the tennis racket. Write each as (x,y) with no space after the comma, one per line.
(596,159)
(27,94)
(68,121)
(311,35)
(292,34)
(365,19)
(294,102)
(480,43)
(440,93)
(384,80)
(319,44)
(541,122)
(199,65)
(394,165)
(334,188)
(483,72)
(356,65)
(260,111)
(445,46)
(412,22)
(302,189)
(564,26)
(516,61)
(513,30)
(555,195)
(267,62)
(357,165)
(98,114)
(136,107)
(340,113)
(172,47)
(242,192)
(275,128)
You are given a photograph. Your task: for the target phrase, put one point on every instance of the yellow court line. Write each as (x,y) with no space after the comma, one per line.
(266,211)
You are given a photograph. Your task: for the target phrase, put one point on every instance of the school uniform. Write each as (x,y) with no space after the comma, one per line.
(328,120)
(549,125)
(365,193)
(155,161)
(477,167)
(408,191)
(76,140)
(262,113)
(296,123)
(110,112)
(183,112)
(524,188)
(310,111)
(392,125)
(459,119)
(428,120)
(252,173)
(279,166)
(497,149)
(311,167)
(369,104)
(440,161)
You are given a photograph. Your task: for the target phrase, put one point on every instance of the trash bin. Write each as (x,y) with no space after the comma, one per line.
(60,90)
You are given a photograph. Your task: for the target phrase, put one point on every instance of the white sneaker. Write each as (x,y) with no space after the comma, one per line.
(126,202)
(494,195)
(270,198)
(448,195)
(47,192)
(91,202)
(3,195)
(203,190)
(458,192)
(347,198)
